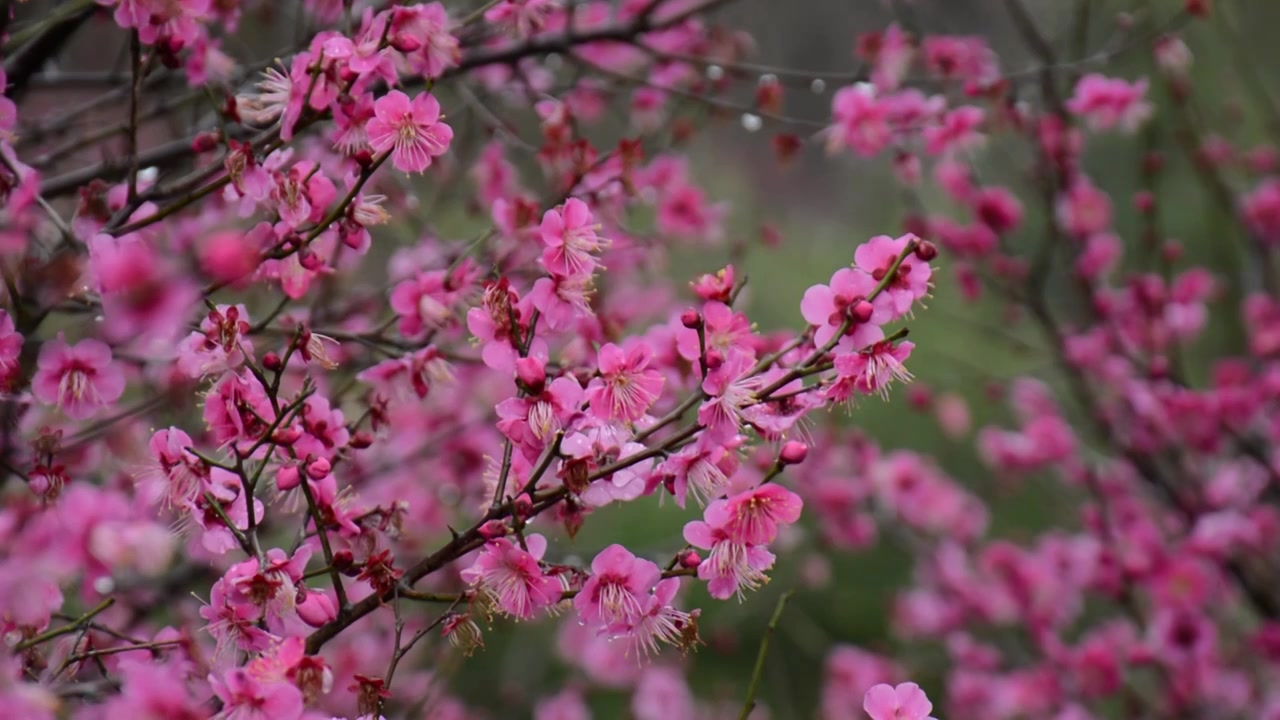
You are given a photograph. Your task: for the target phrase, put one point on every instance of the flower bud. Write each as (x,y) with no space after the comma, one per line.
(493,530)
(272,362)
(361,440)
(405,43)
(861,311)
(714,359)
(286,436)
(288,477)
(206,141)
(522,506)
(228,256)
(345,562)
(690,559)
(793,453)
(926,250)
(691,319)
(310,261)
(319,469)
(531,373)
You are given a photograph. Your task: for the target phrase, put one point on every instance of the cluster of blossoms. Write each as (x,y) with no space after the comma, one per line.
(264,458)
(304,400)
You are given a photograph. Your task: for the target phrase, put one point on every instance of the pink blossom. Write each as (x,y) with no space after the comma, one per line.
(1083,209)
(683,212)
(627,386)
(1107,103)
(702,468)
(532,421)
(909,284)
(618,587)
(411,131)
(732,566)
(725,331)
(1261,210)
(906,701)
(843,303)
(859,122)
(80,379)
(755,516)
(569,233)
(957,131)
(871,370)
(513,578)
(245,697)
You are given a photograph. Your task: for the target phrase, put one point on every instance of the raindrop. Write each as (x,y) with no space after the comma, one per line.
(768,79)
(104,585)
(751,122)
(818,86)
(714,72)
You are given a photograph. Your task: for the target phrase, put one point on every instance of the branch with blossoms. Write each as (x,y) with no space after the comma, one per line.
(215,279)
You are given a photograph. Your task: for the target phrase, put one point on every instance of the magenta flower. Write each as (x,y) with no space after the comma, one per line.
(569,233)
(1261,210)
(513,578)
(627,387)
(904,702)
(860,121)
(684,212)
(80,378)
(1107,103)
(702,468)
(1083,209)
(827,307)
(425,301)
(726,331)
(618,589)
(754,517)
(659,623)
(957,132)
(730,390)
(410,130)
(732,566)
(532,421)
(562,300)
(871,370)
(911,282)
(245,697)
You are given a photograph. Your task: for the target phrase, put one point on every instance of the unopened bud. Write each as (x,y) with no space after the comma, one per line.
(690,559)
(861,311)
(793,453)
(344,561)
(691,319)
(272,362)
(405,43)
(286,436)
(926,250)
(522,506)
(531,374)
(206,141)
(310,261)
(361,440)
(319,469)
(714,359)
(493,530)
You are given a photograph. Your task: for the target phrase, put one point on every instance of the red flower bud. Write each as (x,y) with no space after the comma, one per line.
(206,141)
(691,319)
(531,374)
(793,453)
(319,469)
(272,362)
(714,359)
(361,440)
(493,530)
(861,311)
(926,250)
(690,559)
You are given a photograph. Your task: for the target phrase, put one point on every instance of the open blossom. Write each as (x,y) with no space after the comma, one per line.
(844,304)
(733,565)
(410,130)
(618,587)
(513,578)
(755,516)
(872,369)
(906,701)
(702,469)
(860,121)
(1108,103)
(569,233)
(246,697)
(910,281)
(627,386)
(80,379)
